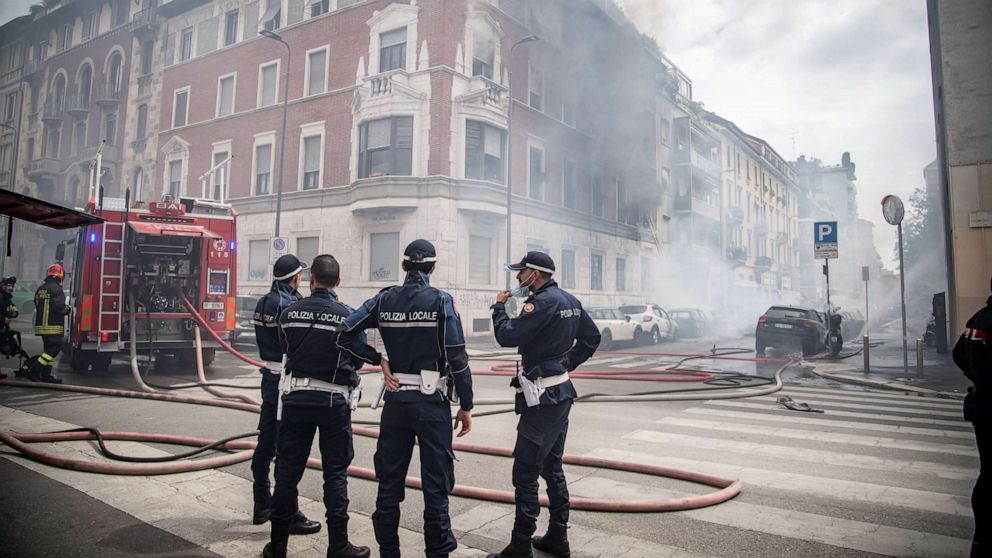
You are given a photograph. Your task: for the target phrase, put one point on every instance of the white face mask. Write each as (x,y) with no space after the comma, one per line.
(524,288)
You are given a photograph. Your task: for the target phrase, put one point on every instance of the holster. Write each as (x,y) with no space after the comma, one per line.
(355,395)
(429,381)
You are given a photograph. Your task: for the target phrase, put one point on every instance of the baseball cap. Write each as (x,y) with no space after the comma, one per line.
(286,267)
(419,251)
(534,260)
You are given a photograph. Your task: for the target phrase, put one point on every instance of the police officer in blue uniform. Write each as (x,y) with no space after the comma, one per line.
(426,365)
(286,279)
(320,390)
(554,335)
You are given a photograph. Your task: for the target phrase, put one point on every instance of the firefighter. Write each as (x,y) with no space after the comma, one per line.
(321,390)
(286,274)
(9,339)
(426,366)
(554,335)
(49,322)
(973,355)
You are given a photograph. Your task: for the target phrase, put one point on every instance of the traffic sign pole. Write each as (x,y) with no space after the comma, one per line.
(902,294)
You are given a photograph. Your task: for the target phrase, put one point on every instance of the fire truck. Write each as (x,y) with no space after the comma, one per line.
(133,271)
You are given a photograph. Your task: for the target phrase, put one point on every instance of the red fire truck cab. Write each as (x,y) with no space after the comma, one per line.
(132,270)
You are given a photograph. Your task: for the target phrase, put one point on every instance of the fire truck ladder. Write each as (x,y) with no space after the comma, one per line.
(111,281)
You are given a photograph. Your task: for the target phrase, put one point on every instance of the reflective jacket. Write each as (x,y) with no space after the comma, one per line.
(50,308)
(266,320)
(553,333)
(420,330)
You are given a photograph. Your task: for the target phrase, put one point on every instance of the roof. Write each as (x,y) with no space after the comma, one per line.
(41,212)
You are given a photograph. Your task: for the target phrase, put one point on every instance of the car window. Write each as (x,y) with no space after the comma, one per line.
(617,314)
(783,312)
(681,315)
(597,314)
(634,309)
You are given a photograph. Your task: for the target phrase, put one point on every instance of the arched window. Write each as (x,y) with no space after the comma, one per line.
(85,85)
(115,73)
(58,93)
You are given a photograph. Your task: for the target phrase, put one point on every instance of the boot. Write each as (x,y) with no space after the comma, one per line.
(348,550)
(555,541)
(48,377)
(261,513)
(303,526)
(274,550)
(519,547)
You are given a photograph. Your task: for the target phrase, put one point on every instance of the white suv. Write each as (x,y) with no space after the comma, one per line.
(655,323)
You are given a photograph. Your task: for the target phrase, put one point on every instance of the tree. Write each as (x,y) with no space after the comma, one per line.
(922,234)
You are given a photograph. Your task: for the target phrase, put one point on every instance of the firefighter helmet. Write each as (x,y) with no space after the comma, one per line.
(56,270)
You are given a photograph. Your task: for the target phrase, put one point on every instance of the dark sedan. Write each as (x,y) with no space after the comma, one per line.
(788,327)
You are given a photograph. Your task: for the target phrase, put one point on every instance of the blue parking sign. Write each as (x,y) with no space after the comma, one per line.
(825,232)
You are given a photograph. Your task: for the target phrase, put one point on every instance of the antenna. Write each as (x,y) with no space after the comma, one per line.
(793,137)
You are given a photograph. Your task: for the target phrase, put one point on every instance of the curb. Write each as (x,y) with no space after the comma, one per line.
(895,386)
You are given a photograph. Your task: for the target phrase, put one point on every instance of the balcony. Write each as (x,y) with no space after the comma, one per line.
(144,84)
(646,235)
(107,95)
(764,262)
(10,76)
(53,112)
(701,162)
(78,105)
(33,71)
(146,23)
(392,85)
(44,168)
(736,254)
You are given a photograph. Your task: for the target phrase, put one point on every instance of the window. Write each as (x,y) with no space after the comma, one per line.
(596,268)
(85,85)
(645,274)
(110,128)
(568,107)
(147,51)
(598,198)
(392,49)
(120,12)
(568,184)
(186,44)
(230,27)
(621,202)
(52,140)
(9,104)
(89,25)
(115,73)
(568,269)
(621,274)
(484,146)
(220,177)
(64,39)
(384,256)
(258,260)
(142,122)
(386,147)
(79,135)
(479,260)
(311,162)
(225,95)
(263,168)
(271,17)
(139,179)
(175,179)
(58,94)
(484,53)
(306,250)
(316,71)
(5,150)
(480,324)
(267,77)
(180,107)
(535,174)
(319,7)
(535,86)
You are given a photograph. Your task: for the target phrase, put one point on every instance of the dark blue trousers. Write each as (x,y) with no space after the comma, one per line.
(265,450)
(427,422)
(538,452)
(296,432)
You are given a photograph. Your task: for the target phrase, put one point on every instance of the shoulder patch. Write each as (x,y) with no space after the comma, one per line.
(529,307)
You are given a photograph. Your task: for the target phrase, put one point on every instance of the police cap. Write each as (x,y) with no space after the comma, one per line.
(9,280)
(286,267)
(420,251)
(534,260)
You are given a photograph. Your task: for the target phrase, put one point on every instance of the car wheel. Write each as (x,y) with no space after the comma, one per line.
(606,340)
(79,360)
(759,350)
(639,337)
(655,336)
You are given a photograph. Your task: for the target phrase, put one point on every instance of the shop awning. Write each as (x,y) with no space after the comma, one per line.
(172,229)
(44,213)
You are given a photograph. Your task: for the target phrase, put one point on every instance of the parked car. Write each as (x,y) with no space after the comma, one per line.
(655,323)
(852,324)
(614,326)
(786,327)
(692,322)
(245,332)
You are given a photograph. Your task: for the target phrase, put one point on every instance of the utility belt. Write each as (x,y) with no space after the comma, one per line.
(532,390)
(273,367)
(427,382)
(288,384)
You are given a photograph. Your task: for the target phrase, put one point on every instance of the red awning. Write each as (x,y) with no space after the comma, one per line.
(172,229)
(41,212)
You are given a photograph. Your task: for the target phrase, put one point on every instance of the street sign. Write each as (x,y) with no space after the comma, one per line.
(825,239)
(278,248)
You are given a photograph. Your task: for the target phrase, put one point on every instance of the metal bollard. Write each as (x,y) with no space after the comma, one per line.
(919,358)
(865,348)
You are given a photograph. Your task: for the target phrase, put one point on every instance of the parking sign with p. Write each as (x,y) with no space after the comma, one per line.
(825,239)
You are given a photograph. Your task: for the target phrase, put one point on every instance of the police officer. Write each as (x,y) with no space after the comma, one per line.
(554,335)
(319,394)
(286,275)
(415,321)
(49,323)
(973,355)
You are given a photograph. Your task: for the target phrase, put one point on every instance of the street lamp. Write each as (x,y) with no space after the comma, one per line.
(282,138)
(509,145)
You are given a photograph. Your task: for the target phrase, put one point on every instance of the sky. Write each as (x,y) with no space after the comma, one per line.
(813,77)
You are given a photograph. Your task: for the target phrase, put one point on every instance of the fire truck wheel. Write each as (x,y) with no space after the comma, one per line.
(80,360)
(101,361)
(208,356)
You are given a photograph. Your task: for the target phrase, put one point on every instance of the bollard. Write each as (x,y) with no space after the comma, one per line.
(864,345)
(919,358)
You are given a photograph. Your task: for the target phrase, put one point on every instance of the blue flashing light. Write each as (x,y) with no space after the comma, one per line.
(92,238)
(232,245)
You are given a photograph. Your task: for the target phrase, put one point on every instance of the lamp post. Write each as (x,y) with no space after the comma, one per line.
(509,145)
(282,138)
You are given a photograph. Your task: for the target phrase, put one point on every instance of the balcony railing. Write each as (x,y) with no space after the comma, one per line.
(704,163)
(78,105)
(53,112)
(43,167)
(108,94)
(736,254)
(763,261)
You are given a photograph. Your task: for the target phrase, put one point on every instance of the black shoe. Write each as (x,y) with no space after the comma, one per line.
(348,550)
(3,376)
(519,547)
(261,513)
(49,379)
(274,551)
(303,526)
(555,541)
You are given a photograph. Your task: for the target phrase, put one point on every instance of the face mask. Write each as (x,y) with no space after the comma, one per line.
(524,288)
